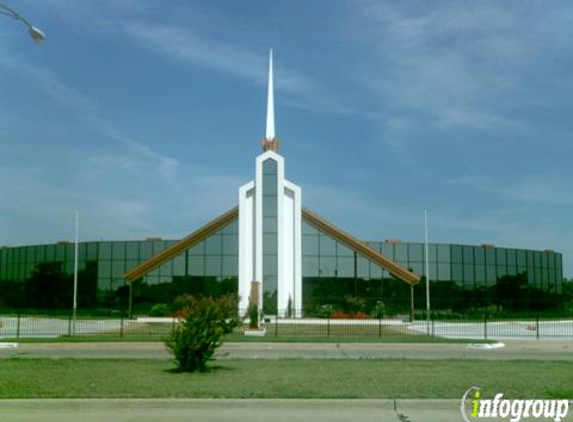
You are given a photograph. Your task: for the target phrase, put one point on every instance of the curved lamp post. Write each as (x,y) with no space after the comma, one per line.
(36,33)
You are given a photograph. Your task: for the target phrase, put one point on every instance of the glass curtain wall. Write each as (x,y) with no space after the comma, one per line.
(461,276)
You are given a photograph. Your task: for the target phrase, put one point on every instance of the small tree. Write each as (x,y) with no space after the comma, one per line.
(205,321)
(253,316)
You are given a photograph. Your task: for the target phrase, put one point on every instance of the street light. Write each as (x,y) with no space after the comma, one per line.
(37,35)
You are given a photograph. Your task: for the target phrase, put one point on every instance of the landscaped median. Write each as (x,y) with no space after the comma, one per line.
(281,378)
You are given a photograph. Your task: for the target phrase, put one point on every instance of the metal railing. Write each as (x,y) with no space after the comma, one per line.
(19,325)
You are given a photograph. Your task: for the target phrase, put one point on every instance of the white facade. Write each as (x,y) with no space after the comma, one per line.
(287,251)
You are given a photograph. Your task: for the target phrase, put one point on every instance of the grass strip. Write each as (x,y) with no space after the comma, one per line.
(286,378)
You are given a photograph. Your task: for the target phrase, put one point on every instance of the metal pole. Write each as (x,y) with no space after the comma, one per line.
(411,303)
(427,269)
(76,270)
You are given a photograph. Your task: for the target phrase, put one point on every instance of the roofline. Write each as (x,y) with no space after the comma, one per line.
(360,247)
(320,223)
(180,246)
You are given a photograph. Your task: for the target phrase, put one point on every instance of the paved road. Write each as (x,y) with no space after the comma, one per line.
(244,410)
(542,350)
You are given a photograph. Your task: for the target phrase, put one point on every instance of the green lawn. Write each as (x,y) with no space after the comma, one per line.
(86,378)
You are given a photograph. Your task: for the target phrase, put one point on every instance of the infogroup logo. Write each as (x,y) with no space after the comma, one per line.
(474,407)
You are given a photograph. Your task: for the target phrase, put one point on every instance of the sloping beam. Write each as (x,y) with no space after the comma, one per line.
(360,247)
(179,247)
(320,223)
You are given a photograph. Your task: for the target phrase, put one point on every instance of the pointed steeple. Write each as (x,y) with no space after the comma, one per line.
(270,102)
(270,141)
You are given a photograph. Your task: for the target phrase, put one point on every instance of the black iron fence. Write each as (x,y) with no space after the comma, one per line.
(331,327)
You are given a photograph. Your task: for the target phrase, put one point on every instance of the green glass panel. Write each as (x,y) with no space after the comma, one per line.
(327,246)
(270,224)
(432,252)
(166,269)
(232,228)
(415,252)
(328,266)
(387,249)
(363,267)
(489,256)
(501,256)
(551,261)
(309,266)
(480,274)
(104,268)
(270,205)
(213,266)
(345,266)
(308,229)
(30,254)
(214,245)
(230,244)
(159,246)
(270,244)
(458,273)
(230,266)
(468,252)
(132,250)
(196,265)
(92,254)
(270,265)
(343,251)
(469,274)
(61,253)
(179,265)
(457,254)
(375,271)
(130,264)
(309,245)
(118,250)
(479,255)
(198,249)
(521,258)
(511,257)
(118,268)
(105,250)
(401,252)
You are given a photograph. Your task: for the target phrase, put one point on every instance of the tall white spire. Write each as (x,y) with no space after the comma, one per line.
(270,135)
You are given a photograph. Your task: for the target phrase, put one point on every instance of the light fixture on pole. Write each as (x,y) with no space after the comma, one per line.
(35,33)
(427,269)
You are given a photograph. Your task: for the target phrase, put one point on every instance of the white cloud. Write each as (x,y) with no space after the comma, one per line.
(191,49)
(460,65)
(85,107)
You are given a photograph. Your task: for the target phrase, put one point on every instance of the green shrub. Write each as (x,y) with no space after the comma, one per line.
(205,321)
(378,310)
(160,310)
(355,303)
(326,311)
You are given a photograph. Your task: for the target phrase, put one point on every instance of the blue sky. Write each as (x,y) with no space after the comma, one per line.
(148,115)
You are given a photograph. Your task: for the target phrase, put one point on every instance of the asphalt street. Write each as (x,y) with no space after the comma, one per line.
(525,349)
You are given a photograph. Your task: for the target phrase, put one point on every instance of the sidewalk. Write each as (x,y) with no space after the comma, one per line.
(220,410)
